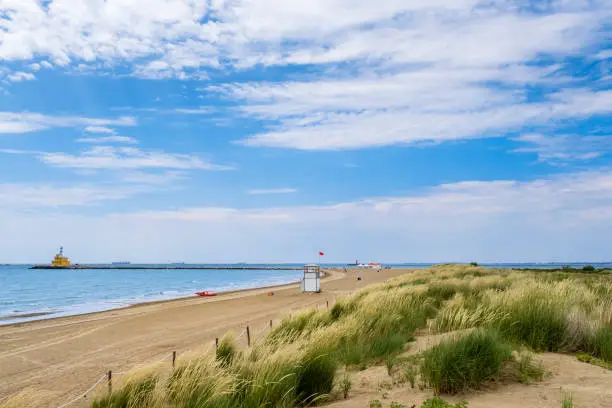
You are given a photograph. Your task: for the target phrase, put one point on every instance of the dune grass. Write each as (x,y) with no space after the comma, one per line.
(296,364)
(546,313)
(465,362)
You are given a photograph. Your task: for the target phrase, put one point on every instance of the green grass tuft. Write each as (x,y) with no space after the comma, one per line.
(529,369)
(438,402)
(466,362)
(568,400)
(227,350)
(135,393)
(601,343)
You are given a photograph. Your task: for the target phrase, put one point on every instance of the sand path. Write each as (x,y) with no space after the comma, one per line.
(589,386)
(60,358)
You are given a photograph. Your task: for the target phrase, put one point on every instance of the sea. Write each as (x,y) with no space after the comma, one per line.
(34,294)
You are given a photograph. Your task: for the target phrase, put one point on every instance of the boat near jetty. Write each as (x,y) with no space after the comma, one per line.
(62,262)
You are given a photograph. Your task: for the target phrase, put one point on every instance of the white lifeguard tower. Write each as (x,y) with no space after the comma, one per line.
(312,279)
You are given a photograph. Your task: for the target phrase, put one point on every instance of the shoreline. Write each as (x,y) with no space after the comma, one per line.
(223,295)
(59,358)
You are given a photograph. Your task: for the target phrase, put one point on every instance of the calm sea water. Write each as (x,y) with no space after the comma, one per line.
(53,293)
(24,291)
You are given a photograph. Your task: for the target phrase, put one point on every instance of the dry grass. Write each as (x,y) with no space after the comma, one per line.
(296,364)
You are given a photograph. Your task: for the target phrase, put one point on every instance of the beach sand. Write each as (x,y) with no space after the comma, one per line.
(62,357)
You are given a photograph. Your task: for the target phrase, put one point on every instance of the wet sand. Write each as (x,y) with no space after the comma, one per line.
(61,357)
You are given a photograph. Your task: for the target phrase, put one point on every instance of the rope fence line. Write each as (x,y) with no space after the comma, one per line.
(84,395)
(108,376)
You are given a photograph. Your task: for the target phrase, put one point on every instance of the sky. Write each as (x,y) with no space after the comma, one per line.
(267,130)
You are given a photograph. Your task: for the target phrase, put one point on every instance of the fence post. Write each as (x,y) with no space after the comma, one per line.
(216,345)
(109,377)
(327,303)
(248,337)
(270,323)
(173,359)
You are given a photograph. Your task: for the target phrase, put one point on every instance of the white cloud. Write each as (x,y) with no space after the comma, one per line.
(561,149)
(444,118)
(107,139)
(164,177)
(24,122)
(605,54)
(273,191)
(163,38)
(24,196)
(202,110)
(563,218)
(21,76)
(108,157)
(100,129)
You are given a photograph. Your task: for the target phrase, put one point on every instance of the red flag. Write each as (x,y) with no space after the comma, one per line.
(321,253)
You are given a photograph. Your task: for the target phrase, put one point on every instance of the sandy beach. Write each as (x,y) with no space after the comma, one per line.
(60,358)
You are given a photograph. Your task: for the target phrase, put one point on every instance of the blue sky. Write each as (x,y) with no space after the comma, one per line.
(264,130)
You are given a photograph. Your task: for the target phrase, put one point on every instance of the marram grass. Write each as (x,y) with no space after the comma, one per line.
(296,363)
(465,362)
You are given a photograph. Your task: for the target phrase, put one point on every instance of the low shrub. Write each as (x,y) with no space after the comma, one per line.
(464,362)
(587,358)
(529,369)
(438,402)
(588,268)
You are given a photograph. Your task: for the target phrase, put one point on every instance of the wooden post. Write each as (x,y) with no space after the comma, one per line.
(173,359)
(327,303)
(216,344)
(109,377)
(270,323)
(248,337)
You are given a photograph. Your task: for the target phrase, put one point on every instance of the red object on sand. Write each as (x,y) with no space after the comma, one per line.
(205,294)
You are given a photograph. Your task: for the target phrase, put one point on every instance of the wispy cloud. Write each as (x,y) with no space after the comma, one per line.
(273,191)
(565,217)
(21,76)
(582,194)
(19,151)
(108,157)
(202,110)
(23,196)
(100,129)
(107,139)
(24,122)
(164,177)
(561,149)
(425,105)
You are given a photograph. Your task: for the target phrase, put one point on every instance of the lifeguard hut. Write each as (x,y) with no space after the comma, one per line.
(312,279)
